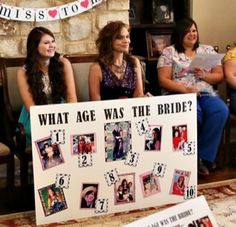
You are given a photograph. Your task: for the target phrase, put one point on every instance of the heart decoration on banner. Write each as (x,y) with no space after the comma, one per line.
(52,13)
(46,14)
(84,3)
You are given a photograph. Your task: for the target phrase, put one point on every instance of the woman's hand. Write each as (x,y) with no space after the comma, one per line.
(200,73)
(148,94)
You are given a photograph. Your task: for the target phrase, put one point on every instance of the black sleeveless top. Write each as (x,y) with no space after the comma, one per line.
(114,88)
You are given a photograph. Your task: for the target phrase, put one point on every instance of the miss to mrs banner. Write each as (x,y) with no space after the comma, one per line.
(46,14)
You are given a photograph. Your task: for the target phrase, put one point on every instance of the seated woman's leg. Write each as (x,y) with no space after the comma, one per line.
(212,116)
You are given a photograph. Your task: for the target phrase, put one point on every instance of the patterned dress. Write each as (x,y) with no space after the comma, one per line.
(114,88)
(24,118)
(181,71)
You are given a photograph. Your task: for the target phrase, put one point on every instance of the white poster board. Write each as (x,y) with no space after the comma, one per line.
(104,152)
(194,212)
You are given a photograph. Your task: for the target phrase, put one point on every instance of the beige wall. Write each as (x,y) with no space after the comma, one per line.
(216,21)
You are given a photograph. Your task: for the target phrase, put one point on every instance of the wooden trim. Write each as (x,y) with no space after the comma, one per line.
(81,58)
(14,62)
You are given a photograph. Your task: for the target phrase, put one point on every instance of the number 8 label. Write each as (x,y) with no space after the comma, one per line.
(111,177)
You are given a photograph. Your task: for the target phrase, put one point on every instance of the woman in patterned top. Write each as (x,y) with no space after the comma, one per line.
(115,74)
(46,77)
(176,77)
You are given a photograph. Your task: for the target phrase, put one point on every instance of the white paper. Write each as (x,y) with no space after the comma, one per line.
(189,213)
(206,61)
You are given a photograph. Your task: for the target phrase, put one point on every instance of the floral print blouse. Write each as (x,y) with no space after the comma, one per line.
(181,71)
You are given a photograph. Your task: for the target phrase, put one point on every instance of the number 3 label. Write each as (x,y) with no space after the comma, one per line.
(132,159)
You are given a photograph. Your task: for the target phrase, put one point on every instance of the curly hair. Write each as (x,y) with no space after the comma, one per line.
(104,42)
(34,74)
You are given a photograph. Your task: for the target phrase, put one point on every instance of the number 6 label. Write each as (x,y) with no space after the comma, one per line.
(63,180)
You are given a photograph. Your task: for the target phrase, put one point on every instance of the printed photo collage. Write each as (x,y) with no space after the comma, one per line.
(118,147)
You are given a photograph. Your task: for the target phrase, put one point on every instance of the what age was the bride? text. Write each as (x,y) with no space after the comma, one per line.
(114,113)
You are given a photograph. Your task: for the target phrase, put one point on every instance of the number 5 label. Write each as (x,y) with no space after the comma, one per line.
(189,148)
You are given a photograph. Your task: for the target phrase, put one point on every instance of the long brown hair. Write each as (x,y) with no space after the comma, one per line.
(34,74)
(104,42)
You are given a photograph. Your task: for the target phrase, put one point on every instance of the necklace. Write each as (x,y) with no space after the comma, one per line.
(120,69)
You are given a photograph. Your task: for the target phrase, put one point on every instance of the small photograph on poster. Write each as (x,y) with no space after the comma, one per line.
(50,154)
(179,182)
(52,199)
(124,189)
(179,136)
(117,140)
(153,138)
(204,221)
(150,184)
(83,143)
(89,195)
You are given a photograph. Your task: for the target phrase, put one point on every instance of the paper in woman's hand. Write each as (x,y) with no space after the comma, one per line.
(206,61)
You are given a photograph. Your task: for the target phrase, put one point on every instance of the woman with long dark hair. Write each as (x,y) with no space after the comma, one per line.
(46,77)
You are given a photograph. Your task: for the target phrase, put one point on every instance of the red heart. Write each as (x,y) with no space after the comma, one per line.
(84,3)
(52,13)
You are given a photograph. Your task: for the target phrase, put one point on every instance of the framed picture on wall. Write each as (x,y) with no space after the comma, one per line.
(156,42)
(162,11)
